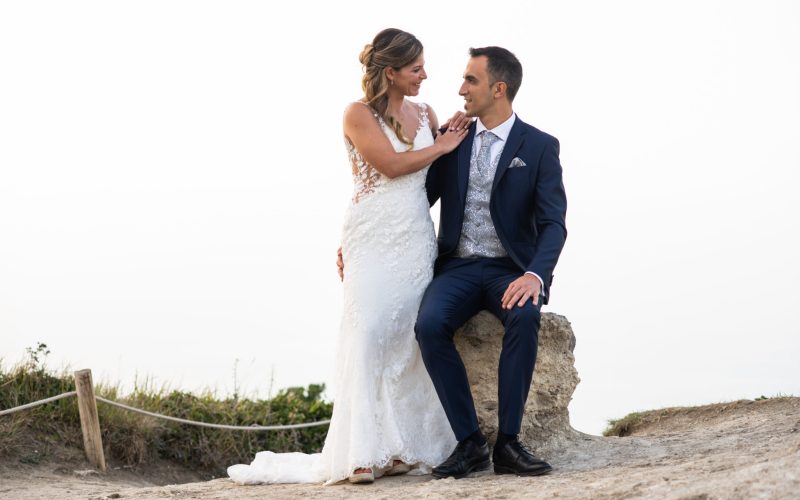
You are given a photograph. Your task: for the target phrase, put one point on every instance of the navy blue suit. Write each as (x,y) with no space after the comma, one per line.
(528,208)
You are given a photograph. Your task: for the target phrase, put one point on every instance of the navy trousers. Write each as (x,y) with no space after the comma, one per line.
(459,290)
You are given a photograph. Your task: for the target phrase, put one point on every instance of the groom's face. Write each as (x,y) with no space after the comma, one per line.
(475,90)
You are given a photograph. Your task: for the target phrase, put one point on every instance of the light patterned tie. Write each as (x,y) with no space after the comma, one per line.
(484,159)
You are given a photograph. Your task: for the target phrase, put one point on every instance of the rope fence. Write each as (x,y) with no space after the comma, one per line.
(91,426)
(37,403)
(253,427)
(213,426)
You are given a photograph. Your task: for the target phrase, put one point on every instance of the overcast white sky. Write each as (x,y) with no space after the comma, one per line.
(173,182)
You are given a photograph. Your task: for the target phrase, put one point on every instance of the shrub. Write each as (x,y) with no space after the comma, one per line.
(136,439)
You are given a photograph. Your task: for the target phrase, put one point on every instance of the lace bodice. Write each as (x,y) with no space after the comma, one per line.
(367,179)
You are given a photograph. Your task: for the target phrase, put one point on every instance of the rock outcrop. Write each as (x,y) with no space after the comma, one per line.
(545,424)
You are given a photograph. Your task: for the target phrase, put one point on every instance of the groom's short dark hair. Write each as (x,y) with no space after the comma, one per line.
(503,66)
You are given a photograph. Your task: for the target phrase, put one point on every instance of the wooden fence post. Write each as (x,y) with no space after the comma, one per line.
(90,423)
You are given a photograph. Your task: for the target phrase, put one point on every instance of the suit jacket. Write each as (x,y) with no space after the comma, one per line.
(528,203)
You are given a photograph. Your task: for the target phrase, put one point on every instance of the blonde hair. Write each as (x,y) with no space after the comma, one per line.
(391,48)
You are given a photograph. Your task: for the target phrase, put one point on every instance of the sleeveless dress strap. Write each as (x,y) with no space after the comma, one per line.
(423,114)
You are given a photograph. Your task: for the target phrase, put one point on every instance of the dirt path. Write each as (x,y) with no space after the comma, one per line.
(745,449)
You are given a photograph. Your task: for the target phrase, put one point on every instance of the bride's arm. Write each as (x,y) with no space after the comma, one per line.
(363,130)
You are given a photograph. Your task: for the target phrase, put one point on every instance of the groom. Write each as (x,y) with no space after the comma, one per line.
(501,232)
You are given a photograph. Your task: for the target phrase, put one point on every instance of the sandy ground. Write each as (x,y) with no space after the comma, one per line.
(744,449)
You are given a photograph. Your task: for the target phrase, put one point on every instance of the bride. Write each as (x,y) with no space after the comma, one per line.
(386,418)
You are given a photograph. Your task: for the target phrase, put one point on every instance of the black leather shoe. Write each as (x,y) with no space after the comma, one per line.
(514,458)
(467,458)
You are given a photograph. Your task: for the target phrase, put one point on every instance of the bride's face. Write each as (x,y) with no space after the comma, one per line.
(409,78)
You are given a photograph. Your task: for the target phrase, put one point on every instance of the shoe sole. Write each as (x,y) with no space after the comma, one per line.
(362,478)
(499,469)
(475,468)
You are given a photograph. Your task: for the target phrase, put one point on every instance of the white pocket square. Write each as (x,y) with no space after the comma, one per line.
(516,162)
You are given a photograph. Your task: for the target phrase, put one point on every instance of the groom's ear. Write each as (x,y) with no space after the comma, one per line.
(500,90)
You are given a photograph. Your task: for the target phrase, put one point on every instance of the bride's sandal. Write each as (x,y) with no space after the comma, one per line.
(362,475)
(398,467)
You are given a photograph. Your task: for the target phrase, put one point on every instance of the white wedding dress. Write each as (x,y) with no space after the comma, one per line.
(385,406)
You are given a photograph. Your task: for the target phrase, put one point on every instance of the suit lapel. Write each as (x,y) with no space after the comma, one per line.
(515,137)
(464,154)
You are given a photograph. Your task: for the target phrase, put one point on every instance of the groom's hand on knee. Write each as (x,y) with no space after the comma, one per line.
(527,287)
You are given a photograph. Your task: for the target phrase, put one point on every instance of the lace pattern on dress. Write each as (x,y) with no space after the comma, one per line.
(365,176)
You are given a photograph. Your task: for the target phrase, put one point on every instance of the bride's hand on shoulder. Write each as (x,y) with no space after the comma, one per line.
(450,139)
(446,137)
(458,121)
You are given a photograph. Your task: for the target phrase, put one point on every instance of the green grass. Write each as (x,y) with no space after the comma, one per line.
(632,422)
(135,439)
(623,426)
(779,395)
